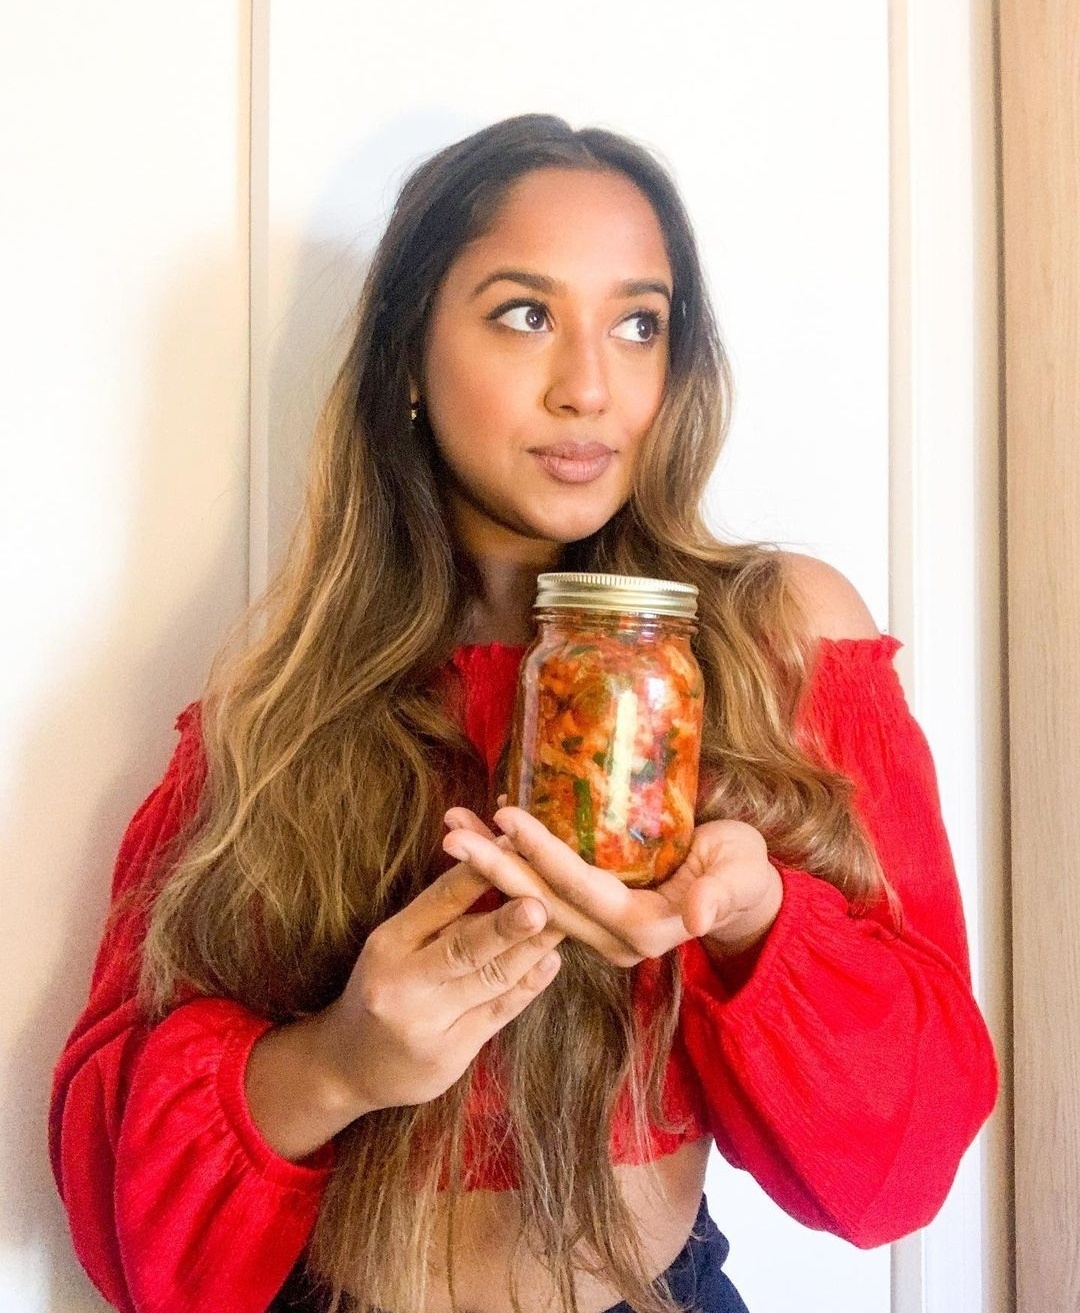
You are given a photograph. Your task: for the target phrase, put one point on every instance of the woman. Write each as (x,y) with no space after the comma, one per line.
(338,1027)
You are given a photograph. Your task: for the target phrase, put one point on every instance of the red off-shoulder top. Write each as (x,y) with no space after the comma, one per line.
(848,1073)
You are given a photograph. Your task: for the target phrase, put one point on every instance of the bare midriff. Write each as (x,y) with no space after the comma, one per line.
(663,1196)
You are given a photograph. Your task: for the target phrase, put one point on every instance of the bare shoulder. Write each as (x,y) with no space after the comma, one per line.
(830,601)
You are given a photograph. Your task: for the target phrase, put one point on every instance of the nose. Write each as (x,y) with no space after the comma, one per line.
(579,378)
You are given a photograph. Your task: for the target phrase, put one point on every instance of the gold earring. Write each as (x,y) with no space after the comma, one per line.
(414,411)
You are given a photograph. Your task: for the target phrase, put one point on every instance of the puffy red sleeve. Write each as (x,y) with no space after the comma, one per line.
(852,1069)
(175,1201)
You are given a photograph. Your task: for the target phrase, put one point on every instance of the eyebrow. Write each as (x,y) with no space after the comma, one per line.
(551,287)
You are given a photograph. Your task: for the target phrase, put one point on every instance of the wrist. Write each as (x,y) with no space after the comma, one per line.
(333,1048)
(298,1093)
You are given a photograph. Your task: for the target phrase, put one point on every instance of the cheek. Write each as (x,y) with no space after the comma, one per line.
(646,398)
(473,405)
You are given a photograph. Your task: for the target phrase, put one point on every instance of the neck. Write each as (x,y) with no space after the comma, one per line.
(507,564)
(503,611)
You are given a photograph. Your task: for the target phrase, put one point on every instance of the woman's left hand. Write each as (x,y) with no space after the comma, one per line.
(726,892)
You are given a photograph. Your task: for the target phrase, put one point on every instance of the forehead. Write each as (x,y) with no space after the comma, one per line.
(571,224)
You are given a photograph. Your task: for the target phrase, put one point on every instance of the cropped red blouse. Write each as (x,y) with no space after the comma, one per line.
(848,1073)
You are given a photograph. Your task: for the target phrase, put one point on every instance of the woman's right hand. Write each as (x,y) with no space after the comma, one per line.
(431,986)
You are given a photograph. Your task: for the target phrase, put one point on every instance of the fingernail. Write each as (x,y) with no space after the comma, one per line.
(549,963)
(508,828)
(457,851)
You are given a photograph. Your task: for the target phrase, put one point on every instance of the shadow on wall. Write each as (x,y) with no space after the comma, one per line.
(310,325)
(106,727)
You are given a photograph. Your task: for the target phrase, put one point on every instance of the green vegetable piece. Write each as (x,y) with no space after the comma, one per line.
(583,821)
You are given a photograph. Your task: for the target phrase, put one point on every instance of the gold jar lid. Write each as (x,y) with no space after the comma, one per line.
(616,592)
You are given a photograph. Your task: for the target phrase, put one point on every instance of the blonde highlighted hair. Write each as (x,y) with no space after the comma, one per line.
(333,748)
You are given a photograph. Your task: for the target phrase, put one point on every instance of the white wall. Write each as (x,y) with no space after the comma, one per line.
(123,259)
(126,237)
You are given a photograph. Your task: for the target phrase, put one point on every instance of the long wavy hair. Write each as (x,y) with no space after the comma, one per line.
(334,744)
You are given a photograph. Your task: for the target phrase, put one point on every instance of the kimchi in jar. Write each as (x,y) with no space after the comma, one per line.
(607,729)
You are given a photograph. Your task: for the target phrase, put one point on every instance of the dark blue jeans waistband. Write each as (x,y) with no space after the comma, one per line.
(696,1280)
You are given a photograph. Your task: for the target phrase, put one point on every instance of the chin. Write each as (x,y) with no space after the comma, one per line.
(565,529)
(575,513)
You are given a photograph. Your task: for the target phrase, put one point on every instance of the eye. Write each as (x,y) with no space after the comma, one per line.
(642,326)
(522,317)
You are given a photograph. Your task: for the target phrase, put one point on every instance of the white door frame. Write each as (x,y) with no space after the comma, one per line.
(945,568)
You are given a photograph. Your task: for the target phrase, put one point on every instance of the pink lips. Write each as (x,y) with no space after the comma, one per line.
(574,462)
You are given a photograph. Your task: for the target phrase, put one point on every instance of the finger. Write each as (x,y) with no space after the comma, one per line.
(498,974)
(735,909)
(461,818)
(471,943)
(507,870)
(596,892)
(513,875)
(480,1023)
(642,920)
(705,902)
(437,906)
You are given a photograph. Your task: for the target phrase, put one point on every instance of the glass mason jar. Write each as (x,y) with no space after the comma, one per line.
(607,728)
